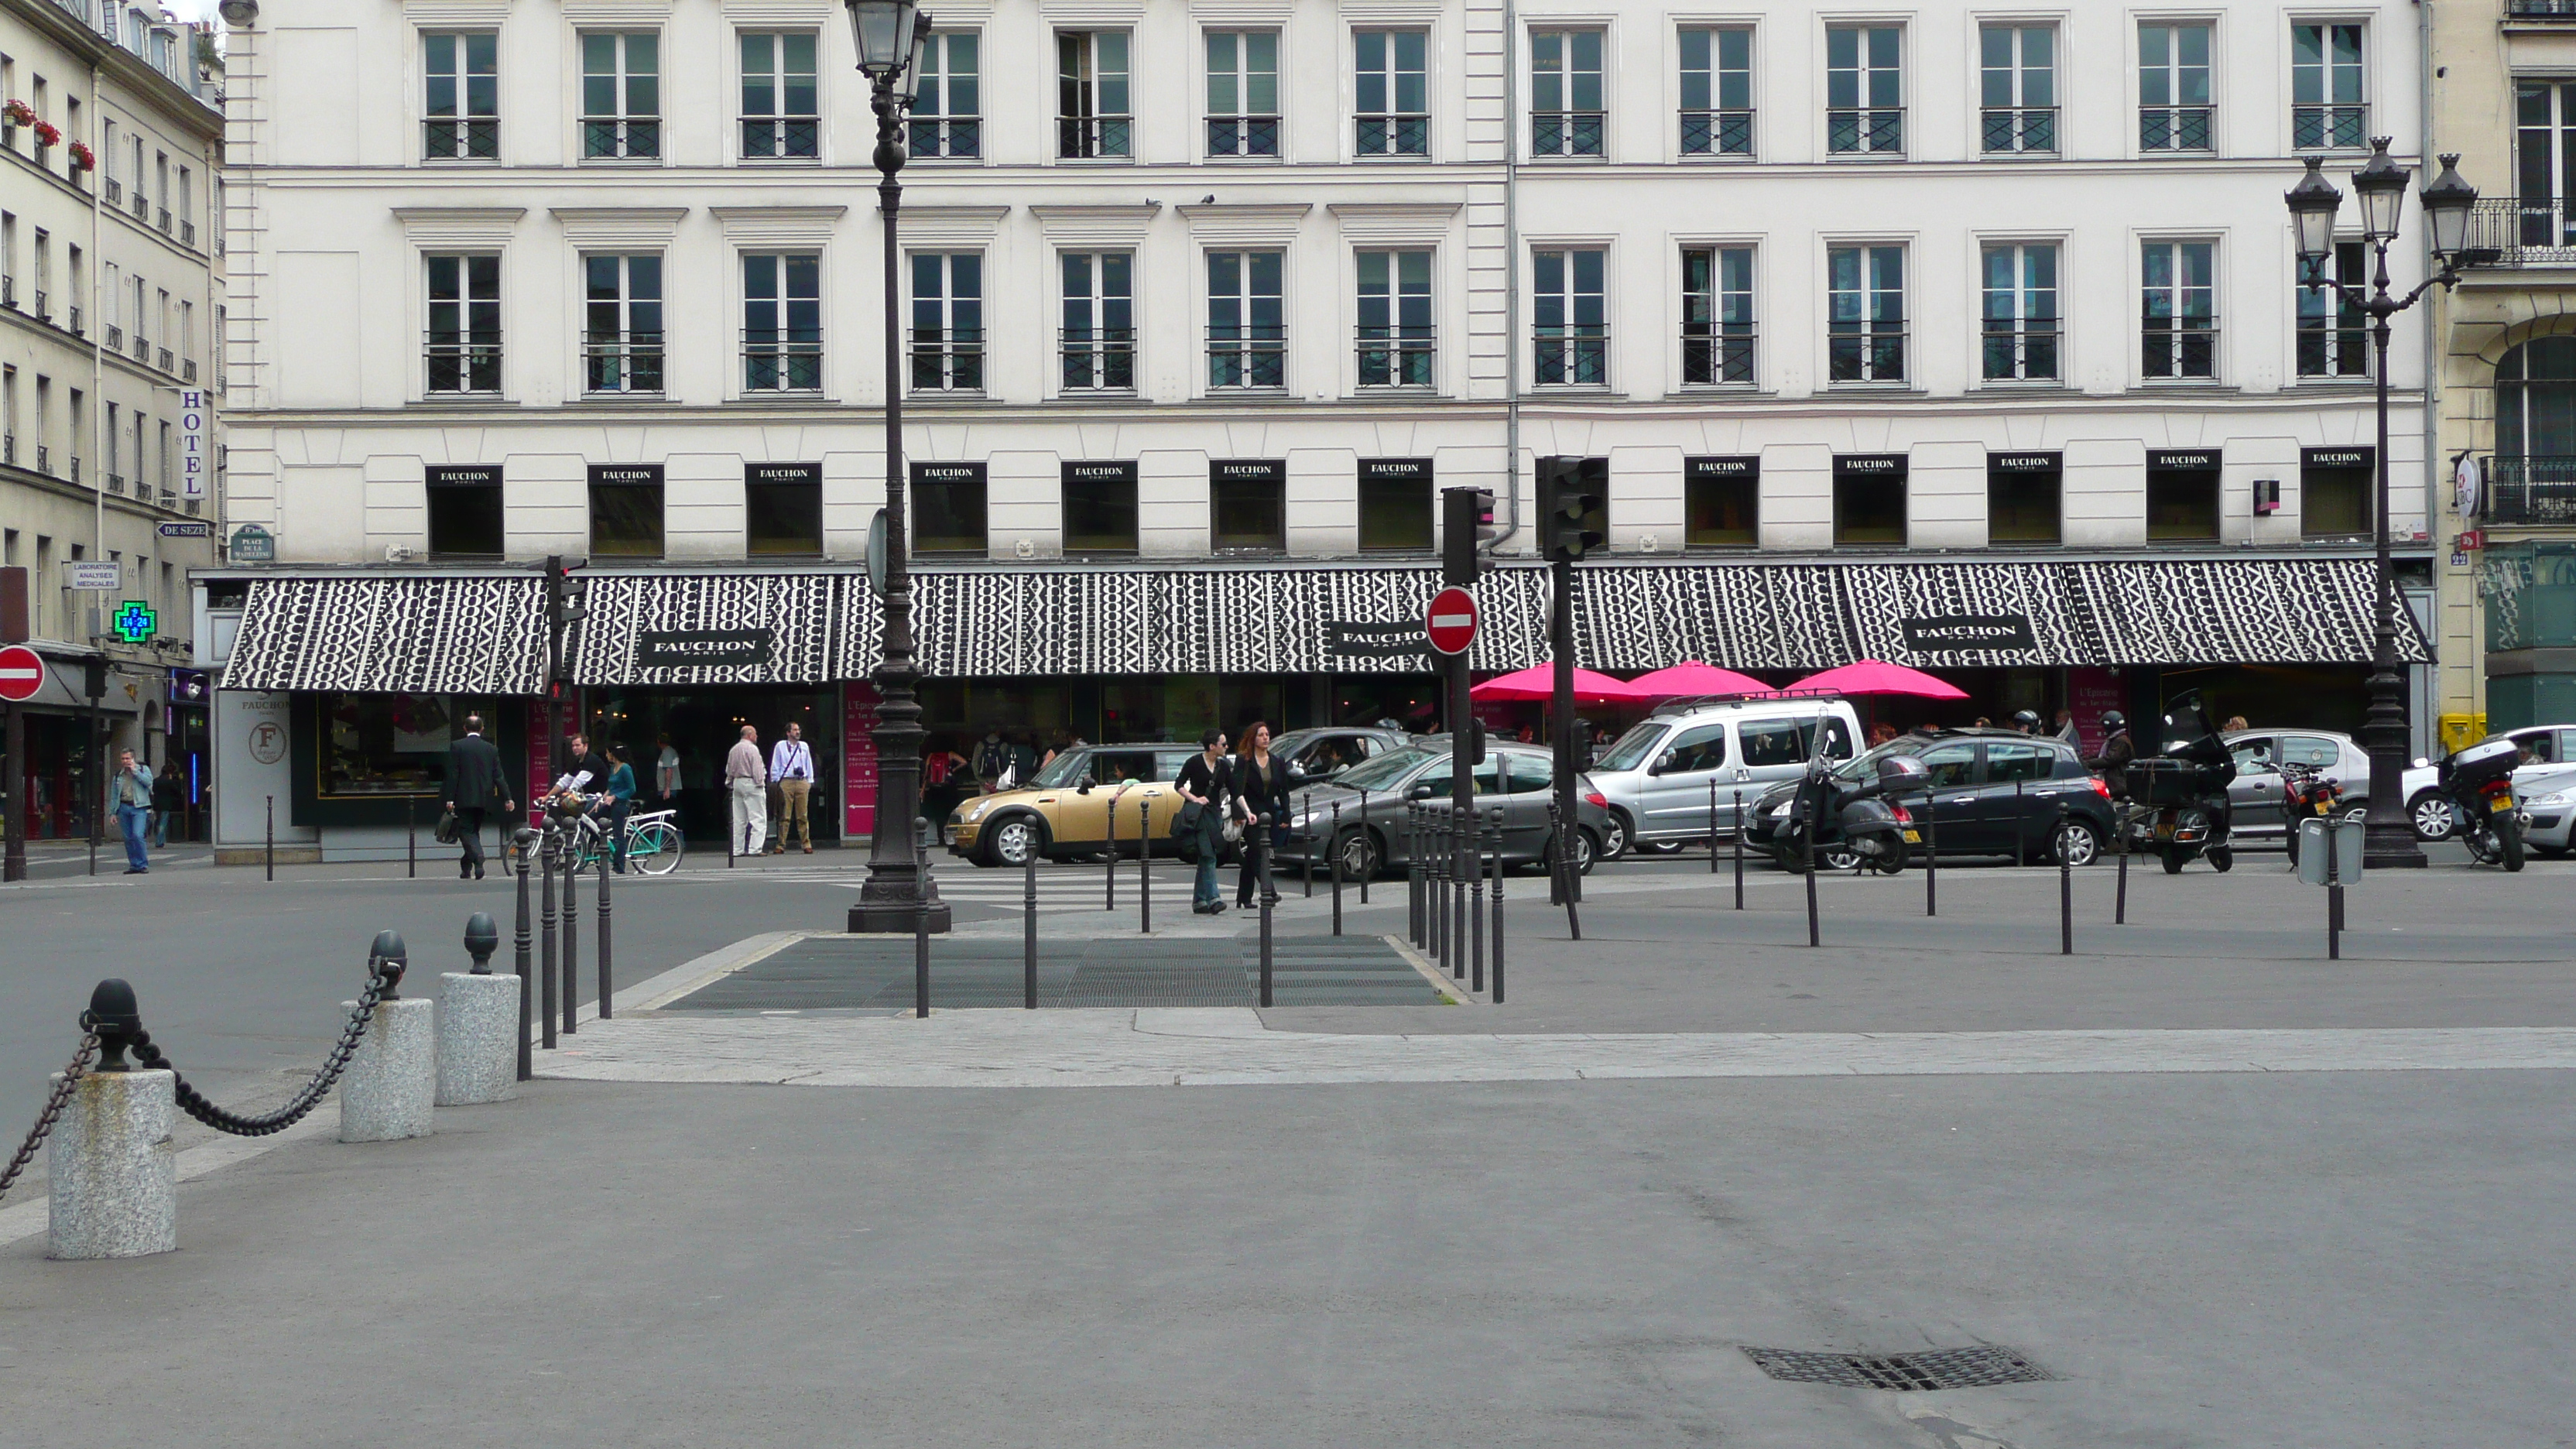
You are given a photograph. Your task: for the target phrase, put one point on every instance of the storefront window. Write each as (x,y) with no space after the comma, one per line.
(2182,497)
(1721,501)
(1395,505)
(2022,497)
(948,508)
(783,508)
(392,744)
(2335,487)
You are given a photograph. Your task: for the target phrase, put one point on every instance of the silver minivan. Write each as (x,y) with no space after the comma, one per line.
(1660,777)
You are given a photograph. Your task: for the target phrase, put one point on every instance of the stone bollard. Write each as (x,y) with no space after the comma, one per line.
(114,1174)
(391,1087)
(478,1025)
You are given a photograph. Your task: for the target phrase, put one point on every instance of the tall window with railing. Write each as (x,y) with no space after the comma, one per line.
(461,105)
(621,335)
(1392,88)
(1567,112)
(2534,473)
(2544,147)
(1717,316)
(621,95)
(948,322)
(1094,115)
(1247,323)
(1569,320)
(782,322)
(1717,91)
(1097,347)
(1243,93)
(2017,89)
(2328,103)
(1865,90)
(1865,314)
(1395,334)
(2334,332)
(948,109)
(2174,110)
(2179,330)
(781,106)
(2021,312)
(463,351)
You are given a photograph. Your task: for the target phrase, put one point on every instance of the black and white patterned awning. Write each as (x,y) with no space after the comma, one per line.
(434,635)
(485,634)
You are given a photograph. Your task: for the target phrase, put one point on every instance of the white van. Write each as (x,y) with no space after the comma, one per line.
(1658,777)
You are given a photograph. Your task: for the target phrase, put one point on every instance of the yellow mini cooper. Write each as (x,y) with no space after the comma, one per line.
(1077,804)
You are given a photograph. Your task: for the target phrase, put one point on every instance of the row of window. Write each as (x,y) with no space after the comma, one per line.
(1248,504)
(137,312)
(161,196)
(1098,80)
(1394,342)
(129,432)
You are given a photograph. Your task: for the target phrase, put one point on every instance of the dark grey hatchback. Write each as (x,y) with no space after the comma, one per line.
(1994,792)
(1374,795)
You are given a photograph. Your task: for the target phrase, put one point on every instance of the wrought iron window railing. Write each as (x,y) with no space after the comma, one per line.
(2531,491)
(142,347)
(187,233)
(115,192)
(1566,133)
(1717,133)
(44,460)
(2521,231)
(628,363)
(2175,128)
(953,137)
(1715,353)
(471,138)
(1243,135)
(44,306)
(165,361)
(2020,352)
(1084,138)
(1575,356)
(2008,130)
(2180,347)
(781,138)
(1247,357)
(608,138)
(948,359)
(115,482)
(115,338)
(2338,351)
(2329,125)
(162,220)
(457,363)
(73,315)
(1871,131)
(771,363)
(1396,356)
(142,205)
(8,291)
(1097,359)
(1872,351)
(2540,9)
(1392,134)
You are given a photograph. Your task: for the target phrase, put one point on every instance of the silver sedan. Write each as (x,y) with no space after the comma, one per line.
(2257,807)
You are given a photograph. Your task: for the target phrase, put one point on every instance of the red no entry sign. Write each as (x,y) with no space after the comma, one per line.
(22,673)
(1451,622)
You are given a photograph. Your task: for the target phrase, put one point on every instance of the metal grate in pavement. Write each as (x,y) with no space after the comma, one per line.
(1941,1368)
(825,973)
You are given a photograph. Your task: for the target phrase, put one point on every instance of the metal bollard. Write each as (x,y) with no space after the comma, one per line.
(920,961)
(1307,819)
(2120,907)
(2334,893)
(1815,930)
(1476,909)
(571,932)
(1462,859)
(1144,867)
(411,837)
(1269,897)
(2021,848)
(1412,878)
(1336,866)
(1931,861)
(1559,863)
(390,1090)
(1440,867)
(1364,834)
(272,840)
(526,841)
(114,1172)
(2065,887)
(1498,905)
(1029,931)
(1111,903)
(1738,833)
(547,940)
(475,1055)
(1712,824)
(606,972)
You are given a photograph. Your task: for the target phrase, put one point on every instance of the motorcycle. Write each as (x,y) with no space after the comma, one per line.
(1855,823)
(2306,795)
(2181,809)
(2478,781)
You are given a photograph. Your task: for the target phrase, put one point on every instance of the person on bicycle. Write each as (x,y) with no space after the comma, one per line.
(620,802)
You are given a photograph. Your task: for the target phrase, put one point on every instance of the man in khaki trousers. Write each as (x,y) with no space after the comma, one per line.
(743,782)
(791,768)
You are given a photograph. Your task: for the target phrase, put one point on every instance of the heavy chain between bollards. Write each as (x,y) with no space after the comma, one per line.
(195,1104)
(36,1135)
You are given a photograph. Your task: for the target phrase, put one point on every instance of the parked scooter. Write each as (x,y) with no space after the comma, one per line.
(2307,795)
(2181,809)
(1857,822)
(2478,781)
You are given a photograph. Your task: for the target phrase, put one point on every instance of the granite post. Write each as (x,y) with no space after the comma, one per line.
(391,1087)
(115,1175)
(478,1049)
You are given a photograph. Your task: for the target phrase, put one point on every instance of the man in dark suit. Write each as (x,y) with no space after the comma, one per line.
(473,783)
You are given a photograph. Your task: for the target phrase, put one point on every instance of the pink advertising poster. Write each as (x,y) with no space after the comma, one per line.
(2089,691)
(858,760)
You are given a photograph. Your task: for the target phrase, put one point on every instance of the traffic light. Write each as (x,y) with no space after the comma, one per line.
(1573,497)
(1466,520)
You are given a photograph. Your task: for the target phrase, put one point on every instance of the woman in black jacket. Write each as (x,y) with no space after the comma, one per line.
(1202,783)
(1260,788)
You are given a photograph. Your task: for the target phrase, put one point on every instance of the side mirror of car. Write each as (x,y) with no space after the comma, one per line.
(1662,763)
(2422,763)
(1085,787)
(1423,791)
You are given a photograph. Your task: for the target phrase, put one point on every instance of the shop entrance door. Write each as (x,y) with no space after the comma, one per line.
(701,724)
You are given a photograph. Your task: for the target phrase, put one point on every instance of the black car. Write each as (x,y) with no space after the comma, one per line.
(1319,752)
(1994,792)
(1514,778)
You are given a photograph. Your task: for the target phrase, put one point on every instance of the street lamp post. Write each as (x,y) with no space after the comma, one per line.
(899,893)
(2389,836)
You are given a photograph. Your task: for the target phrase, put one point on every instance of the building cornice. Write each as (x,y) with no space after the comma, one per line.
(1391,223)
(952,225)
(779,225)
(1096,225)
(1251,224)
(459,225)
(618,225)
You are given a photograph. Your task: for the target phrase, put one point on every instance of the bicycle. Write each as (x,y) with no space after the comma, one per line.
(653,842)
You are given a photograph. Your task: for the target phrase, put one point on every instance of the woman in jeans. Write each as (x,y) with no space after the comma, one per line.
(620,803)
(1203,783)
(1260,788)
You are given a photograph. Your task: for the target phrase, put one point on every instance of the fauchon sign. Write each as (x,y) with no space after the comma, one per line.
(1249,470)
(782,472)
(1100,472)
(1395,470)
(2337,457)
(1941,633)
(2183,460)
(947,472)
(1875,467)
(2024,462)
(680,648)
(1744,469)
(470,475)
(1376,641)
(650,473)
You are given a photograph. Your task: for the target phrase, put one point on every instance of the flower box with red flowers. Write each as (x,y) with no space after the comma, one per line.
(82,158)
(19,113)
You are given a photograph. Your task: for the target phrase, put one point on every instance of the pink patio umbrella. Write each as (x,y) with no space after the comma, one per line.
(1877,676)
(1538,683)
(1692,678)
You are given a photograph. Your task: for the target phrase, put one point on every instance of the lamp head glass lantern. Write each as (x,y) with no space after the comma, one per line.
(2313,203)
(883,29)
(2447,202)
(2381,185)
(909,85)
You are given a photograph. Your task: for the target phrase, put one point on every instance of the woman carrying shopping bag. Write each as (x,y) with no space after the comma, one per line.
(1204,788)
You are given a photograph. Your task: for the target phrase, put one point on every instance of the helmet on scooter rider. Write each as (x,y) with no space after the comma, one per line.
(2026,721)
(2112,719)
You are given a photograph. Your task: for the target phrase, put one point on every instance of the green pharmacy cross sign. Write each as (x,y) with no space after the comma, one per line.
(135,621)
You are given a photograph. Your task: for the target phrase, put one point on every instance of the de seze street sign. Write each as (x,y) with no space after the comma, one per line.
(22,673)
(1451,621)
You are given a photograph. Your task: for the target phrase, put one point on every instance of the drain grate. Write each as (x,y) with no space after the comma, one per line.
(1940,1368)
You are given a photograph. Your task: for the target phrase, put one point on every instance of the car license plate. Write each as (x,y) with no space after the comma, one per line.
(1913,836)
(2500,804)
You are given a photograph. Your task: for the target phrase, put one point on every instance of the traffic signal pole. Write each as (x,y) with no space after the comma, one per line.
(1568,886)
